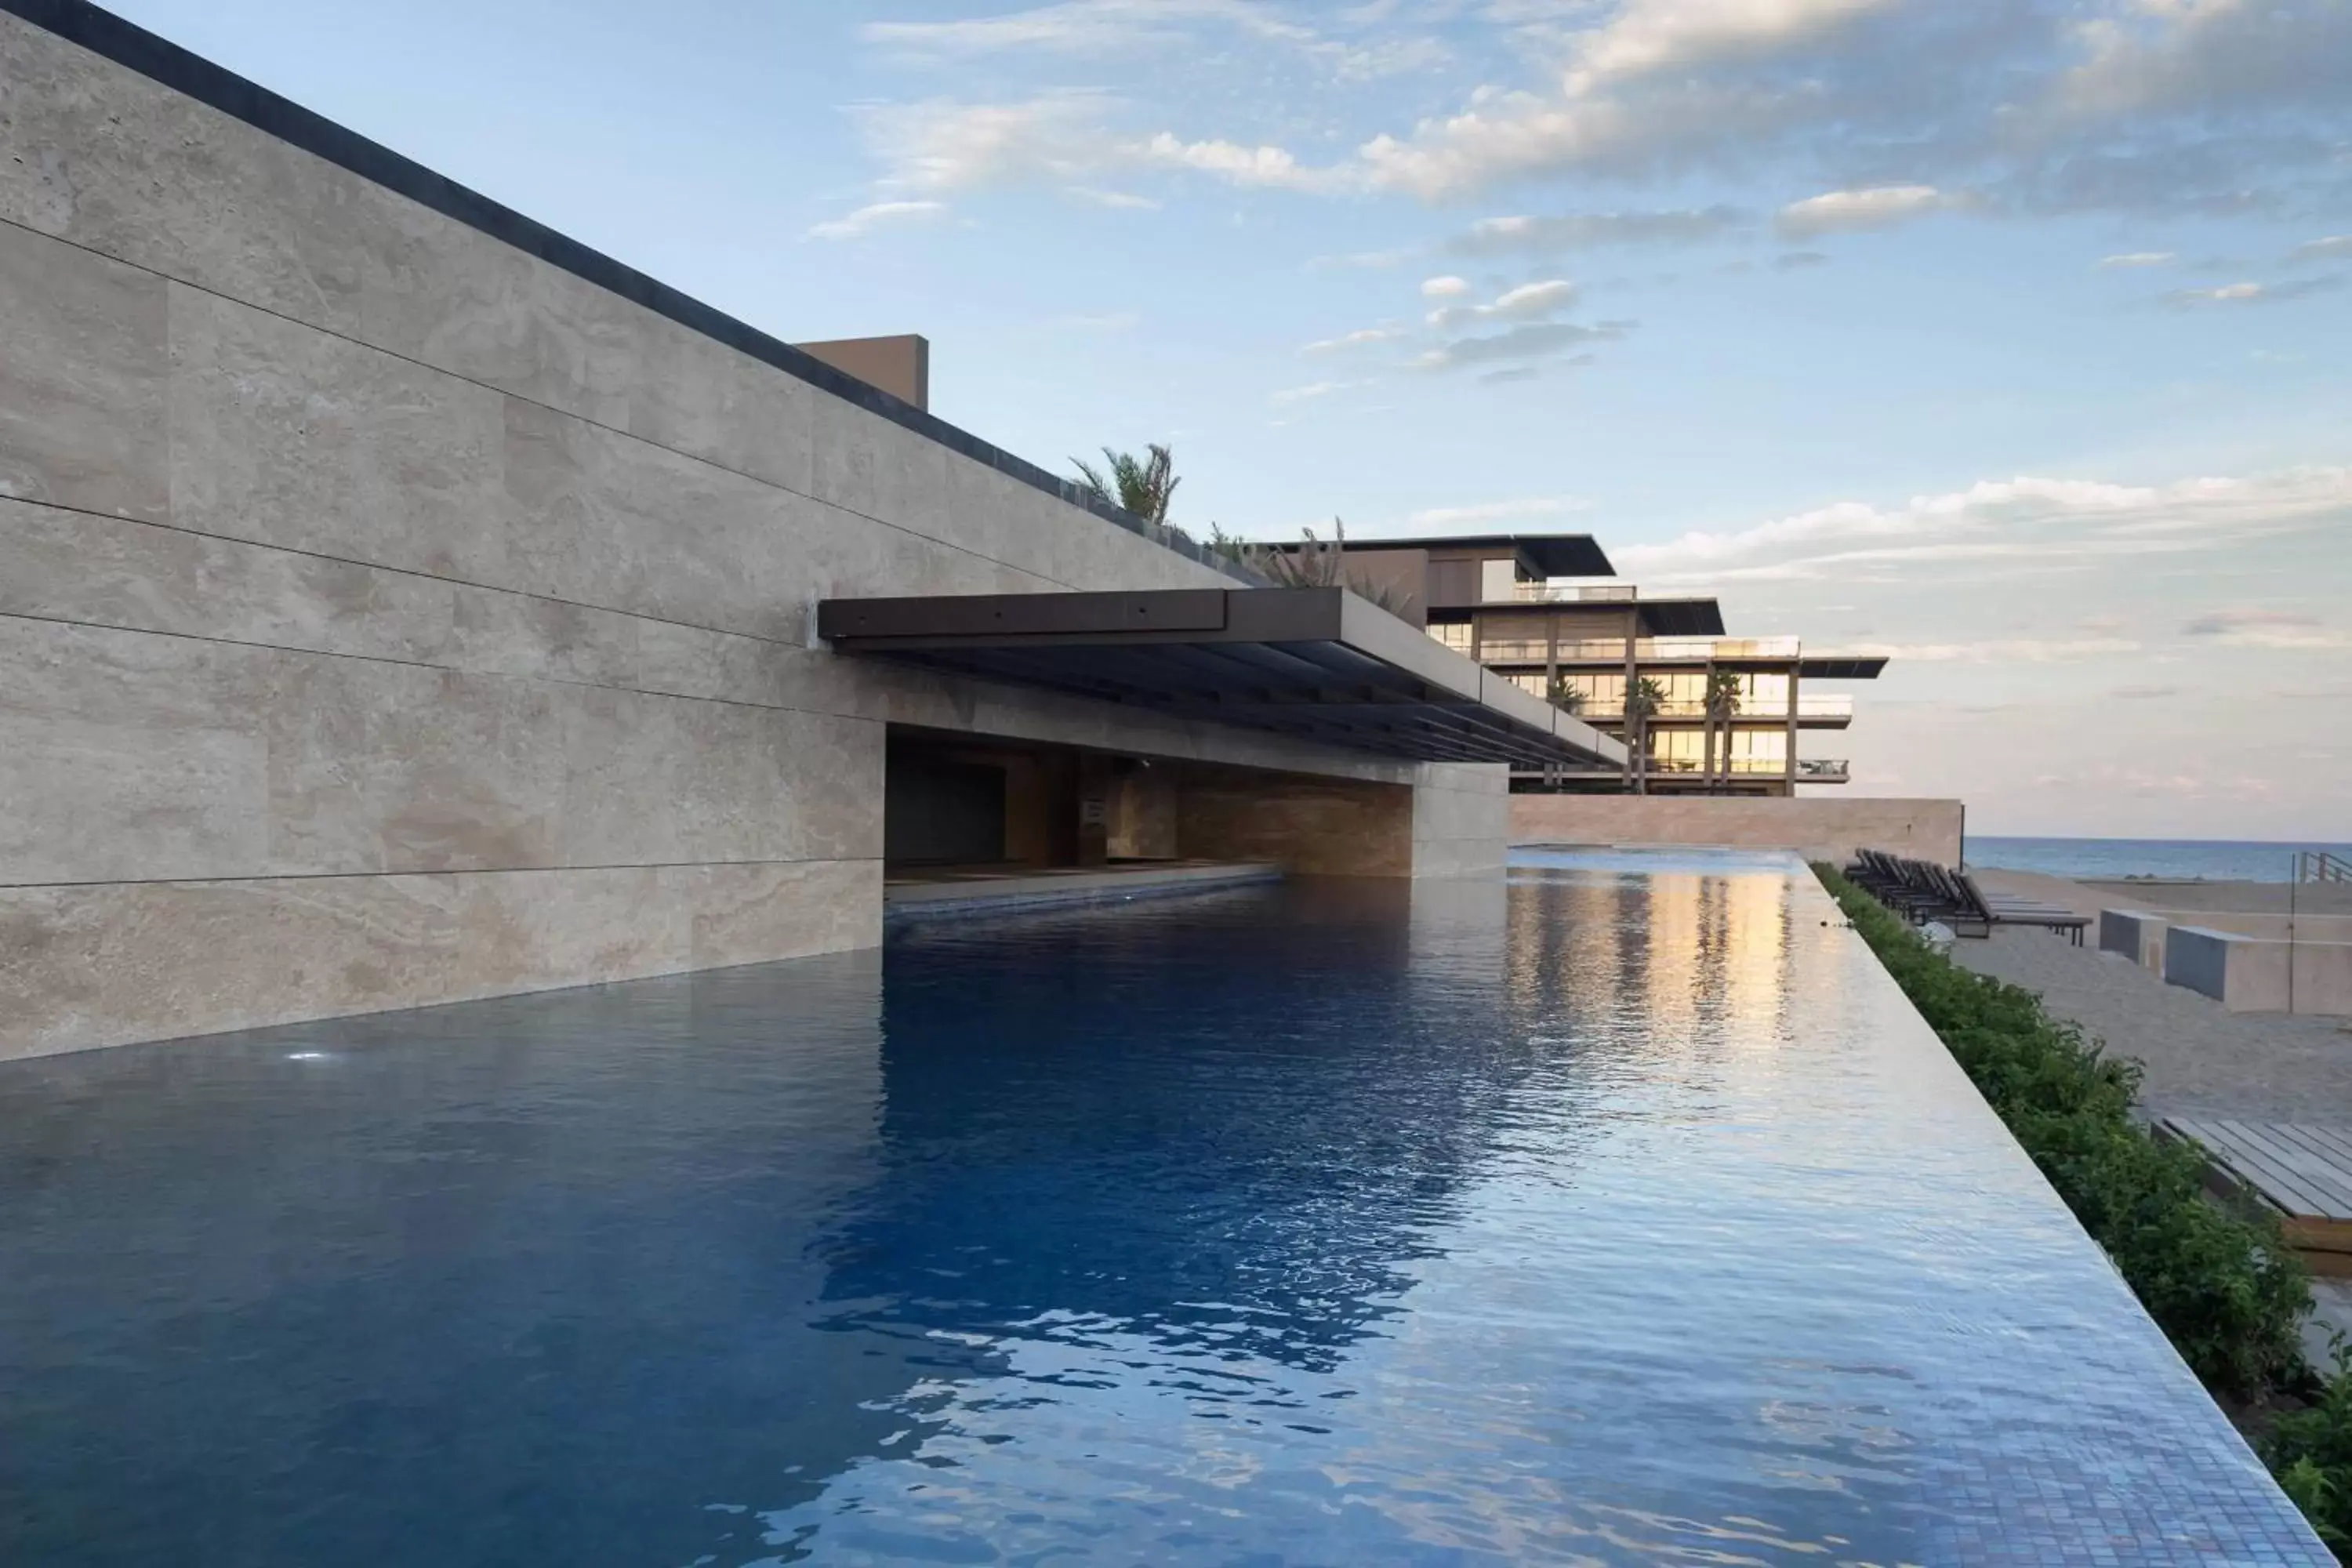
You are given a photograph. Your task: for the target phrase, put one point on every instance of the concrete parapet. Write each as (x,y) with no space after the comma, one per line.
(2302,928)
(1819,829)
(2137,934)
(2261,974)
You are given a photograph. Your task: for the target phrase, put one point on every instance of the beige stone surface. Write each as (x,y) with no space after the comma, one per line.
(389,617)
(82,360)
(127,757)
(103,964)
(1822,828)
(1308,826)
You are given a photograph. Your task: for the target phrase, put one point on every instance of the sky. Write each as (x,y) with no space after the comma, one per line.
(2012,338)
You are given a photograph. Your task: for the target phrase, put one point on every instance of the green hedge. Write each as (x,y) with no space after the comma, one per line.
(2226,1289)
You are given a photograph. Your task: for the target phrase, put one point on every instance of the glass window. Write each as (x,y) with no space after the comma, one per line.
(1677,750)
(1600,693)
(1454,634)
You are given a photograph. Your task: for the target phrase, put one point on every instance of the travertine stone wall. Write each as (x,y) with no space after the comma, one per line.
(388,616)
(1308,826)
(1820,829)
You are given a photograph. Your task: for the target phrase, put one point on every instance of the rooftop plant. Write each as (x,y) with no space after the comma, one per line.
(1144,486)
(1316,563)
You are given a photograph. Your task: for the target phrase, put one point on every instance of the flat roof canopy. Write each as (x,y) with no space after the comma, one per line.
(1319,664)
(1681,617)
(1841,665)
(1547,555)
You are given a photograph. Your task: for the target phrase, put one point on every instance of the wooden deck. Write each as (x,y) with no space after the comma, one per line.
(2301,1171)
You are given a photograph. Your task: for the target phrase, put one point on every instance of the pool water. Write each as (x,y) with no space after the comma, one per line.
(1625,1213)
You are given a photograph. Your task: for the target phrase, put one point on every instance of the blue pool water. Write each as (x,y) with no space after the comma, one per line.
(1624,1214)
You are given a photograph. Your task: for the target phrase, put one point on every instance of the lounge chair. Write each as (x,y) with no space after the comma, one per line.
(2023,912)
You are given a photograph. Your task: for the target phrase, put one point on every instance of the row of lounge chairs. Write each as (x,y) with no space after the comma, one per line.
(1921,890)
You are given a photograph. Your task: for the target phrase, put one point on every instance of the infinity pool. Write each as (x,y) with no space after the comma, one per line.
(1623,1214)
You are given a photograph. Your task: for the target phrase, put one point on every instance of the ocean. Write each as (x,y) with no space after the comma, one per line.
(2214,860)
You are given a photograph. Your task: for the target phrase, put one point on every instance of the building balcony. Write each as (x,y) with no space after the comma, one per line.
(1647,650)
(1572,593)
(1826,712)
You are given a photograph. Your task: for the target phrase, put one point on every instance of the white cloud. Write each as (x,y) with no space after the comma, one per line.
(1066,136)
(2253,294)
(851,225)
(1655,37)
(1257,167)
(1363,337)
(1660,81)
(2001,650)
(938,145)
(2331,247)
(1080,26)
(2207,57)
(1444,288)
(1528,301)
(2050,521)
(1845,212)
(2257,626)
(2138,258)
(2126,105)
(1290,395)
(1537,340)
(1123,200)
(1578,231)
(1483,513)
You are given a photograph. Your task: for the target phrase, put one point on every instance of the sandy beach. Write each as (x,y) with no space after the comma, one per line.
(2198,1057)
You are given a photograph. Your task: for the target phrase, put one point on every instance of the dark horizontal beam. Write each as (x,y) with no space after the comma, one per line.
(1274,659)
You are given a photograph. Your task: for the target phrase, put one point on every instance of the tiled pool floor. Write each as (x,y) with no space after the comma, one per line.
(1624,1214)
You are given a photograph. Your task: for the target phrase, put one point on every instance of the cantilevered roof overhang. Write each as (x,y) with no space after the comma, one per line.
(1545,554)
(1841,665)
(1680,617)
(1319,664)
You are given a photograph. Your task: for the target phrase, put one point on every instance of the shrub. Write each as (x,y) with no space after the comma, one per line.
(2225,1288)
(2310,1451)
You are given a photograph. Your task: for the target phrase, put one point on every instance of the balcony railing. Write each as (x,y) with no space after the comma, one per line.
(1572,593)
(1769,767)
(1751,711)
(1659,650)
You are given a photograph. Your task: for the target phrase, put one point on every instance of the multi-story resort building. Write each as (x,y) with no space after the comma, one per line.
(1545,611)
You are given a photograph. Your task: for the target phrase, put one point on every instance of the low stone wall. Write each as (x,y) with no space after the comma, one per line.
(2135,935)
(1819,829)
(2261,974)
